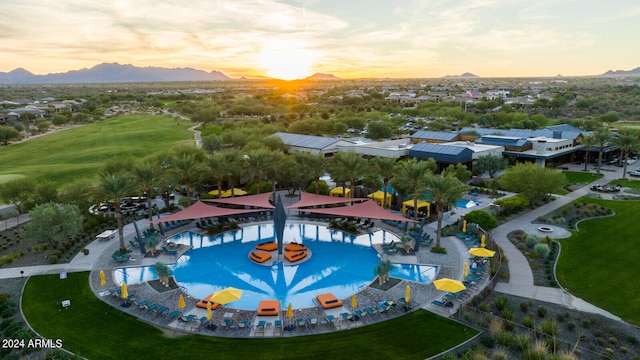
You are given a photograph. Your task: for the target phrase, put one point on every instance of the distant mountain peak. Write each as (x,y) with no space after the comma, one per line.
(320,76)
(112,73)
(467,75)
(634,72)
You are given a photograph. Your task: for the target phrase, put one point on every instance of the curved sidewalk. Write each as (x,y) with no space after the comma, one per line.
(521,281)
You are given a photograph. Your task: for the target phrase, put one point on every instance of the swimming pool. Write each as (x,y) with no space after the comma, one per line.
(340,263)
(466,204)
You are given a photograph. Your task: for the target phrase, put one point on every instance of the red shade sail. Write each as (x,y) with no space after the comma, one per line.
(260,200)
(309,199)
(202,210)
(367,209)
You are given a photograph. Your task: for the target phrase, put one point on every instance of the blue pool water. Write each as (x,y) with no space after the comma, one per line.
(340,264)
(466,204)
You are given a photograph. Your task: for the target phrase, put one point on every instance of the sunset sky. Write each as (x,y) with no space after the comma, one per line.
(348,38)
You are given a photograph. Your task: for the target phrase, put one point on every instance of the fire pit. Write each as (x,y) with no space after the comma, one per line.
(545,229)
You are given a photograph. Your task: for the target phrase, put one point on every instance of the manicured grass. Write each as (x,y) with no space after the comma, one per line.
(8,177)
(575,177)
(67,155)
(599,262)
(632,125)
(630,182)
(95,330)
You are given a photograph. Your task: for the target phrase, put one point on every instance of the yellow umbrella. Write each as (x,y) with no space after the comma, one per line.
(209,316)
(103,280)
(236,192)
(214,192)
(123,291)
(483,241)
(354,301)
(464,269)
(289,313)
(482,252)
(449,285)
(227,295)
(407,294)
(464,226)
(181,304)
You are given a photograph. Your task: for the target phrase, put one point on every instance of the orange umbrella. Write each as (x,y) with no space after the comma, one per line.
(181,304)
(103,280)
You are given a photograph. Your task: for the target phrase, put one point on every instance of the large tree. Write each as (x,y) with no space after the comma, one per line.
(348,166)
(216,168)
(313,165)
(492,164)
(8,133)
(18,192)
(186,168)
(626,140)
(444,189)
(53,223)
(255,162)
(114,187)
(148,178)
(531,180)
(603,137)
(588,141)
(411,179)
(384,168)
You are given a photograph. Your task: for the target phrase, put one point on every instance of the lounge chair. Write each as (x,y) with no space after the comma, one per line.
(277,327)
(294,247)
(141,304)
(370,310)
(267,246)
(225,323)
(169,252)
(119,258)
(392,244)
(332,320)
(187,319)
(174,313)
(260,327)
(293,256)
(152,307)
(312,321)
(346,316)
(243,324)
(301,323)
(161,310)
(259,256)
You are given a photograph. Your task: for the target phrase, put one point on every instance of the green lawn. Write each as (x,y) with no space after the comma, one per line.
(599,263)
(576,178)
(8,177)
(95,330)
(81,152)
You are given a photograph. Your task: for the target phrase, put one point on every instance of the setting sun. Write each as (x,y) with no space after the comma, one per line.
(285,60)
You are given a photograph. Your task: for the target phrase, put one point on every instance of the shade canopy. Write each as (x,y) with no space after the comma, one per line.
(259,200)
(226,296)
(449,285)
(309,199)
(236,192)
(339,191)
(481,252)
(378,196)
(421,204)
(367,209)
(201,210)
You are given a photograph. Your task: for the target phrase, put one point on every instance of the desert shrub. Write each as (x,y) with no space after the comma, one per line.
(549,327)
(542,311)
(571,326)
(484,307)
(532,240)
(601,341)
(483,218)
(524,306)
(500,303)
(513,204)
(487,341)
(505,338)
(53,259)
(523,342)
(624,349)
(499,354)
(542,250)
(608,352)
(528,322)
(632,340)
(507,314)
(585,324)
(496,326)
(613,340)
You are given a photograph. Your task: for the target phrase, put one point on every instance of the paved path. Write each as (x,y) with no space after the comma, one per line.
(520,276)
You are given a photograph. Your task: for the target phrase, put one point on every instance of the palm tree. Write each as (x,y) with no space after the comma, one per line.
(186,167)
(115,187)
(148,179)
(444,189)
(588,141)
(235,169)
(216,167)
(626,140)
(410,180)
(275,165)
(256,161)
(348,166)
(603,137)
(384,167)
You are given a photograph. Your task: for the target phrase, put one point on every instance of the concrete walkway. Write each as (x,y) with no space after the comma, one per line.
(520,276)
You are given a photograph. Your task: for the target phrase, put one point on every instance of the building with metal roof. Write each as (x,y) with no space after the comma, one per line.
(442,154)
(316,144)
(434,136)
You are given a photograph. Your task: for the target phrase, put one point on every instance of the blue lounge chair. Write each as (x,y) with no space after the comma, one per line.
(153,306)
(161,310)
(142,304)
(169,252)
(119,258)
(174,313)
(370,310)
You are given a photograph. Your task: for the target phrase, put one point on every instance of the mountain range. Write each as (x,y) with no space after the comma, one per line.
(634,72)
(112,73)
